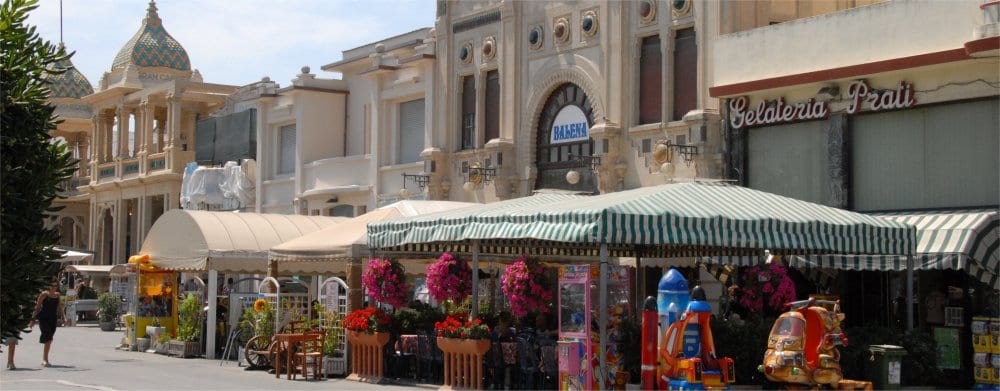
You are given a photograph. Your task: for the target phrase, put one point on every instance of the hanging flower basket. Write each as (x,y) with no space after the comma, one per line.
(386,282)
(765,284)
(526,287)
(449,278)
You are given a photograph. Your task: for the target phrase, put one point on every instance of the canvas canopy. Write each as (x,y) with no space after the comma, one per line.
(227,242)
(74,256)
(958,240)
(685,219)
(348,239)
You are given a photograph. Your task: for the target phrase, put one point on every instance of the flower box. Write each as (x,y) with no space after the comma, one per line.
(463,362)
(334,366)
(183,349)
(367,357)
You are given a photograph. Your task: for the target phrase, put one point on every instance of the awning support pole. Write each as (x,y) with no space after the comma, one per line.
(475,279)
(602,306)
(213,302)
(909,292)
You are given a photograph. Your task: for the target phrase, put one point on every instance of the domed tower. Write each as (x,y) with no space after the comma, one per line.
(152,55)
(67,89)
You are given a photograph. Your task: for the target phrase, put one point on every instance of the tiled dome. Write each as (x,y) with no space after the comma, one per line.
(152,46)
(69,84)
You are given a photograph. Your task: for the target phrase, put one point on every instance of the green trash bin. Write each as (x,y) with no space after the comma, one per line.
(886,363)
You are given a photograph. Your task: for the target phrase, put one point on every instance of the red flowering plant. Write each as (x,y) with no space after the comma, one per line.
(526,287)
(367,320)
(449,278)
(458,325)
(386,283)
(762,284)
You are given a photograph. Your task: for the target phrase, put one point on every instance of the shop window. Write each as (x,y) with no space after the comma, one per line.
(650,81)
(468,118)
(286,153)
(492,107)
(685,73)
(411,131)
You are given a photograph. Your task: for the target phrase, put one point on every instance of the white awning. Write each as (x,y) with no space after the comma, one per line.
(97,269)
(185,240)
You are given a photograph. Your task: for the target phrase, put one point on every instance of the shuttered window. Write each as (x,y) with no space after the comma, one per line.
(411,131)
(650,81)
(468,118)
(286,155)
(492,105)
(685,73)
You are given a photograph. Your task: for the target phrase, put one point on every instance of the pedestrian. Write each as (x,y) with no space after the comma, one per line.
(11,343)
(47,311)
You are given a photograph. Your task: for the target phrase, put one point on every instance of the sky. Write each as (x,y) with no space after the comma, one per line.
(233,42)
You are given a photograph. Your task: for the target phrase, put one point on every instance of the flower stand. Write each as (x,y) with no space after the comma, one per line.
(367,358)
(463,362)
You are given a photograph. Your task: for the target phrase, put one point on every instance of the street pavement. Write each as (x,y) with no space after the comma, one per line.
(85,358)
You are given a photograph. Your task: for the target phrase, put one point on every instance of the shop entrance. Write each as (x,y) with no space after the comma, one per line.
(564,130)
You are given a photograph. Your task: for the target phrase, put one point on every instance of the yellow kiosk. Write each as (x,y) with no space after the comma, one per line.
(156,296)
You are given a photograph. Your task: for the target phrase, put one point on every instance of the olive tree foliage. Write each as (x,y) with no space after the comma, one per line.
(32,166)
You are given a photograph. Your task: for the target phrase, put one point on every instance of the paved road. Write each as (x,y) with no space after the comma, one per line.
(85,358)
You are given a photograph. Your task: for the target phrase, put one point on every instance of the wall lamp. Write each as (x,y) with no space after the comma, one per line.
(477,175)
(421,179)
(593,161)
(664,152)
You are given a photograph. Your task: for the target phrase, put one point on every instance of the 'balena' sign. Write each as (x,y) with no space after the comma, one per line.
(777,111)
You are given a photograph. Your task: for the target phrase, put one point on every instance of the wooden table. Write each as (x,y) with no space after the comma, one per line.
(286,341)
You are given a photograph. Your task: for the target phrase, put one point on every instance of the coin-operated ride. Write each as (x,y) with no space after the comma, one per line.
(802,348)
(687,359)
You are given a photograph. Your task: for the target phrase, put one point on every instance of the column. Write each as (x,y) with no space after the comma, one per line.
(148,112)
(109,124)
(173,119)
(123,128)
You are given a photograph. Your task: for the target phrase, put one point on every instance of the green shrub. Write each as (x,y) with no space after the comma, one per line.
(189,319)
(744,341)
(108,307)
(919,366)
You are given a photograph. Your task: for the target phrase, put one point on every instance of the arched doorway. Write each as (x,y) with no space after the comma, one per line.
(563,130)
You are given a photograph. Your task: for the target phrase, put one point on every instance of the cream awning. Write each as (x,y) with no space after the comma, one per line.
(227,242)
(334,245)
(113,270)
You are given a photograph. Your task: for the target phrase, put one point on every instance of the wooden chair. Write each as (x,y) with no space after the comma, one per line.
(309,354)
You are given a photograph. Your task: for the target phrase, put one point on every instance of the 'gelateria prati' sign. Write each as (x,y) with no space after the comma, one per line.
(859,97)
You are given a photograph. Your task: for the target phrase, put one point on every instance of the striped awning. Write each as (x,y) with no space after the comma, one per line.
(698,218)
(958,240)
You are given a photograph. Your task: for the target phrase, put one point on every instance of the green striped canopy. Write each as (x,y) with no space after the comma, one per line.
(958,240)
(700,216)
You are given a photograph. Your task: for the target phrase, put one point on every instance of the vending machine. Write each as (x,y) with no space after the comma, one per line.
(579,333)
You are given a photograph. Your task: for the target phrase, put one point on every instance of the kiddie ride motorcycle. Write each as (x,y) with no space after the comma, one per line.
(802,350)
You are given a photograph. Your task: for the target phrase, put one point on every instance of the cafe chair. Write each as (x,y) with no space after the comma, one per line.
(309,355)
(549,366)
(425,352)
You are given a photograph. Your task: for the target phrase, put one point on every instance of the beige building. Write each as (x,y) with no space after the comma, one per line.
(137,129)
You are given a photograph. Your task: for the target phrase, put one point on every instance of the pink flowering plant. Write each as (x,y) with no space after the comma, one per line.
(386,282)
(526,287)
(449,278)
(768,284)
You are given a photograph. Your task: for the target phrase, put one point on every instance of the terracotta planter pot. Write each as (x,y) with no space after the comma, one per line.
(367,363)
(463,362)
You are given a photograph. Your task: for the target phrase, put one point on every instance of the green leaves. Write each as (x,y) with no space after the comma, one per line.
(32,167)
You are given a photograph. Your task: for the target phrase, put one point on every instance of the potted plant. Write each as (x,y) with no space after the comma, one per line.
(334,359)
(449,278)
(188,329)
(162,341)
(108,305)
(365,331)
(526,287)
(155,330)
(463,341)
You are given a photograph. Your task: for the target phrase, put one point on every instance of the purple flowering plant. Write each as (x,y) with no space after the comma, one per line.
(766,283)
(386,282)
(526,287)
(449,278)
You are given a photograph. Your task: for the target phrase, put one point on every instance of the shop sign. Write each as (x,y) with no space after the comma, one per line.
(859,96)
(570,125)
(775,111)
(859,93)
